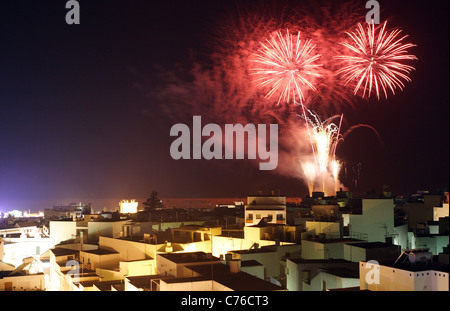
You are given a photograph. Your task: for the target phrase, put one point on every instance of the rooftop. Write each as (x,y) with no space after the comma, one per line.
(258,207)
(317,261)
(367,245)
(239,281)
(100,252)
(264,249)
(343,272)
(59,251)
(420,266)
(250,263)
(106,285)
(186,279)
(189,257)
(346,289)
(337,240)
(143,281)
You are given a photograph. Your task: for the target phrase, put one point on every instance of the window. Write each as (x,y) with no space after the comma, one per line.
(258,216)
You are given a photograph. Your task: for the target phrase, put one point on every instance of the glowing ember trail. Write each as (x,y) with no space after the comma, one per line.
(373,62)
(309,170)
(324,139)
(285,64)
(335,169)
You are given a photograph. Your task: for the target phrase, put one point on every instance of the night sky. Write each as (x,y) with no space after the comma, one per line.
(77,121)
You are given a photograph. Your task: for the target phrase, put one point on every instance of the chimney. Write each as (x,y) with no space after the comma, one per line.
(235,265)
(2,249)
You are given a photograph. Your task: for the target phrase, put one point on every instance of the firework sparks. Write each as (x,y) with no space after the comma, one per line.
(309,170)
(285,64)
(325,137)
(374,62)
(335,169)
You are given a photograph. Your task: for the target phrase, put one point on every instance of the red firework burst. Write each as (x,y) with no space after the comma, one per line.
(374,62)
(285,64)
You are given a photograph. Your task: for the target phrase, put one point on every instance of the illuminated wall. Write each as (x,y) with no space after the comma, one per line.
(394,279)
(62,231)
(377,219)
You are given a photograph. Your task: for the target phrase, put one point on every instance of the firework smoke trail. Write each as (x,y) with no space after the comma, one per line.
(374,60)
(286,64)
(326,23)
(335,169)
(309,171)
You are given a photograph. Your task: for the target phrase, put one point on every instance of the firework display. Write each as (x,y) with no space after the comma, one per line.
(325,136)
(374,62)
(271,65)
(285,64)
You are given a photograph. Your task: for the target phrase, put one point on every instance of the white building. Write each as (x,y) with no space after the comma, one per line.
(376,220)
(272,208)
(440,211)
(21,282)
(403,277)
(320,274)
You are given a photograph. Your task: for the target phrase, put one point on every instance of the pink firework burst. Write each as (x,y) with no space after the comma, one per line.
(286,65)
(374,62)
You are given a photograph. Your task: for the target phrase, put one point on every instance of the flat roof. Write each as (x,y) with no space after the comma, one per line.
(100,252)
(186,279)
(59,251)
(373,245)
(143,281)
(189,257)
(434,265)
(254,250)
(343,272)
(265,207)
(239,281)
(315,261)
(106,285)
(337,240)
(250,263)
(347,289)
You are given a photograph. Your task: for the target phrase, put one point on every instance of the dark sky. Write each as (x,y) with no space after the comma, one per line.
(74,124)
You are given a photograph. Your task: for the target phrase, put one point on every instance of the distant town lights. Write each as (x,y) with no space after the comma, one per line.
(128,206)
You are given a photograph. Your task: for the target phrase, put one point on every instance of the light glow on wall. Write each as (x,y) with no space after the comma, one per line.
(128,206)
